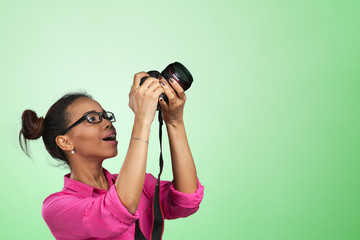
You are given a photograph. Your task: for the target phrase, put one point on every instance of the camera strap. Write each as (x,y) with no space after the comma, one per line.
(158,217)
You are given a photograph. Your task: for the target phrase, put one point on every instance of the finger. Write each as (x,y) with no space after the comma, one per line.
(137,78)
(163,104)
(179,90)
(164,82)
(149,81)
(158,91)
(156,87)
(169,92)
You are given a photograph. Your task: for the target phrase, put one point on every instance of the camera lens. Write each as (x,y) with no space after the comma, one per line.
(178,72)
(175,70)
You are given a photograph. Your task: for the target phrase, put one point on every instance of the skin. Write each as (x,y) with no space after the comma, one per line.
(90,150)
(183,166)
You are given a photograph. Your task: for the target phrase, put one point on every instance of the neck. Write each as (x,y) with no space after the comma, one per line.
(89,173)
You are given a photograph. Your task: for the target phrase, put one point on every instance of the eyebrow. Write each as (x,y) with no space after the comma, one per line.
(94,111)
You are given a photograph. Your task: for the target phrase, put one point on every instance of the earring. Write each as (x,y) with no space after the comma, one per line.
(72,151)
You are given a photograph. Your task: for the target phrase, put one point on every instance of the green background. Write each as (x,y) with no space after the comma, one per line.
(272,117)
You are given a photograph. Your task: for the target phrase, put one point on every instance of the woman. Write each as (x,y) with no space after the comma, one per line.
(95,204)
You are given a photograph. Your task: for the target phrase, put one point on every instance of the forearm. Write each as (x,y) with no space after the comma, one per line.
(130,181)
(183,166)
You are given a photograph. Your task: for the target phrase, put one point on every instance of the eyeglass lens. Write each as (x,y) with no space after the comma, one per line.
(97,117)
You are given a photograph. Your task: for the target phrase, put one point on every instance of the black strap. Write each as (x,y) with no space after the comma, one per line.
(138,234)
(161,161)
(158,223)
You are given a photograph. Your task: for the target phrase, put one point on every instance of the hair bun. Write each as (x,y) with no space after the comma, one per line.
(32,126)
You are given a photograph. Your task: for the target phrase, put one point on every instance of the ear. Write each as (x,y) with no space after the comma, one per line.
(64,143)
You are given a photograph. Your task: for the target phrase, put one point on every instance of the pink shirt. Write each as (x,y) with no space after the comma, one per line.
(80,211)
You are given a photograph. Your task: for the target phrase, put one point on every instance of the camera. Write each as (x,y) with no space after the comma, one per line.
(176,71)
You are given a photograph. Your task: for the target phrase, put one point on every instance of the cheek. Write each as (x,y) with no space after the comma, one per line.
(87,139)
(88,143)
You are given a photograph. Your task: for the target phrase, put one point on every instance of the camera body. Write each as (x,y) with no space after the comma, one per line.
(175,70)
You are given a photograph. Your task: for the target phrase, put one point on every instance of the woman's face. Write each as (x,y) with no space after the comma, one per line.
(88,138)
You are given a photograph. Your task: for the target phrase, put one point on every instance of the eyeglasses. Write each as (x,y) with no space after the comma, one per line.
(93,117)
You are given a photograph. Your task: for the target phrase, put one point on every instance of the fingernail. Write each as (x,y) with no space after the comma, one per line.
(171,79)
(163,83)
(160,77)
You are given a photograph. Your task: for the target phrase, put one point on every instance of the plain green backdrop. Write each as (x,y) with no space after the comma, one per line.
(272,117)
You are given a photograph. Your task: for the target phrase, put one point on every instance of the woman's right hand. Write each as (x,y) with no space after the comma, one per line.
(143,100)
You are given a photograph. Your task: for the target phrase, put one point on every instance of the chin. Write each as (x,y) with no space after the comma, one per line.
(114,154)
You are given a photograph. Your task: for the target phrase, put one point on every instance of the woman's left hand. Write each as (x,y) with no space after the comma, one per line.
(172,111)
(184,170)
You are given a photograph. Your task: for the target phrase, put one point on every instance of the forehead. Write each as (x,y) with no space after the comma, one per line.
(83,105)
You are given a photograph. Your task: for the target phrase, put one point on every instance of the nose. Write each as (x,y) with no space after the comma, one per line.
(108,124)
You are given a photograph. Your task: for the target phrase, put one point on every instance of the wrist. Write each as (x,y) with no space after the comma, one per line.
(142,122)
(141,129)
(175,124)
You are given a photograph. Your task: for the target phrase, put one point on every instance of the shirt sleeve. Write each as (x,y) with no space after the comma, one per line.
(174,204)
(70,216)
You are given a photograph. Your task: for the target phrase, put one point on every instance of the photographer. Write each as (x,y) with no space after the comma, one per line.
(95,204)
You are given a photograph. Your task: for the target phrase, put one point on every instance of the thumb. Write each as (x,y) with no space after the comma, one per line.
(163,104)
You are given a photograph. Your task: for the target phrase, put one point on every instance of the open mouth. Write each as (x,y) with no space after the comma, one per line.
(111,137)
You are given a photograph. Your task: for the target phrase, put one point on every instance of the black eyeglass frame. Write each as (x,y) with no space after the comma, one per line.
(85,117)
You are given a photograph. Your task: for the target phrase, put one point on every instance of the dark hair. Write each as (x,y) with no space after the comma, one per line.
(55,122)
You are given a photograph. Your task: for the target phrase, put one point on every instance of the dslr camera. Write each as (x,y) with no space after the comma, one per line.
(175,70)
